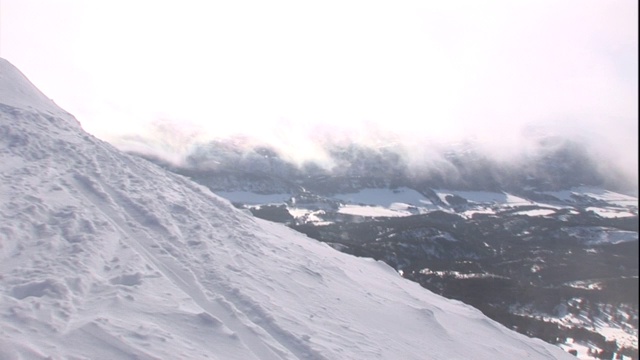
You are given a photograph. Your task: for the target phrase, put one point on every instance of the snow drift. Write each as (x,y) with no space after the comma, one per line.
(106,256)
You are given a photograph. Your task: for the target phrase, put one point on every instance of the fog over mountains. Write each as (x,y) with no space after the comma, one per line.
(540,159)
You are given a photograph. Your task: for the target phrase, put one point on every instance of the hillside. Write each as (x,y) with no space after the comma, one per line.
(103,256)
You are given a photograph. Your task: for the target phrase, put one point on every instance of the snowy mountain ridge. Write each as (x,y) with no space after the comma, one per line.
(104,255)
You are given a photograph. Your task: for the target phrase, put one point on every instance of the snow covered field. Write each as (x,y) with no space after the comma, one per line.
(597,194)
(385,202)
(386,197)
(484,197)
(106,256)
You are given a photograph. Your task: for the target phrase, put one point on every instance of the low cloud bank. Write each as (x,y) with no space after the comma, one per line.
(542,154)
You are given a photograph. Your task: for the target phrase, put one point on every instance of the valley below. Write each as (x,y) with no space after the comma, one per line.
(550,254)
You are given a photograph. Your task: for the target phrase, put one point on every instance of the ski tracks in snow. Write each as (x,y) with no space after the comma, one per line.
(254,328)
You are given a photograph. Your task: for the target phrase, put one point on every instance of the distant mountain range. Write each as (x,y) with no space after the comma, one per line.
(550,163)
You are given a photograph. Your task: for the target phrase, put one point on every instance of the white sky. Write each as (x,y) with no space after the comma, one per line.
(424,68)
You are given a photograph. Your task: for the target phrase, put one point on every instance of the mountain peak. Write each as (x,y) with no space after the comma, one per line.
(18,92)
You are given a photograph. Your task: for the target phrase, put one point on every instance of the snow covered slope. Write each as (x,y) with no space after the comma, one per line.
(106,256)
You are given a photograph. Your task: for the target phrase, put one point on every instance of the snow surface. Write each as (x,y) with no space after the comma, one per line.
(535,212)
(595,193)
(371,211)
(307,215)
(609,213)
(386,197)
(384,202)
(17,91)
(468,214)
(106,256)
(483,197)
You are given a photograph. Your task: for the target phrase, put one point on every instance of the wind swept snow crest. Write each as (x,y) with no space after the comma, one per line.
(17,91)
(106,256)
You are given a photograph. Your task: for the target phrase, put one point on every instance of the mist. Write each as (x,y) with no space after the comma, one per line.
(171,78)
(542,155)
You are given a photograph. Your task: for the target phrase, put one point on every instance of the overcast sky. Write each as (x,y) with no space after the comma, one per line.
(428,69)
